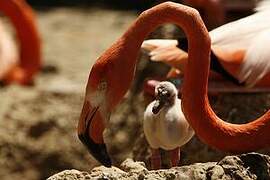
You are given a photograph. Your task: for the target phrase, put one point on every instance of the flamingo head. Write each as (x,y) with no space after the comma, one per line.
(94,116)
(102,95)
(165,93)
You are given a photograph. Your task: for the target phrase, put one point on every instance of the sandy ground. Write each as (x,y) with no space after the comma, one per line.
(38,124)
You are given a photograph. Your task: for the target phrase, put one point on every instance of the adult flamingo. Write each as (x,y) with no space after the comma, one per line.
(20,69)
(112,74)
(238,49)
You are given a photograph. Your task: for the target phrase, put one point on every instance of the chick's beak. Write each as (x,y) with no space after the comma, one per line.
(157,106)
(161,99)
(90,132)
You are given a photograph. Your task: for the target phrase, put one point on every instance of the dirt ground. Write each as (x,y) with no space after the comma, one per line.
(38,123)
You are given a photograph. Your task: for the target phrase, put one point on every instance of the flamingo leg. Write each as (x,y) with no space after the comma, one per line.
(175,156)
(155,159)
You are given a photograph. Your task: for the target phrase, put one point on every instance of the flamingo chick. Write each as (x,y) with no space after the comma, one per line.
(165,125)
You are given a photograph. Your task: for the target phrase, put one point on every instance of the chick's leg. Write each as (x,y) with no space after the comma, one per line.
(155,159)
(175,156)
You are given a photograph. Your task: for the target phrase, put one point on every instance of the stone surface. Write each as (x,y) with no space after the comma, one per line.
(246,166)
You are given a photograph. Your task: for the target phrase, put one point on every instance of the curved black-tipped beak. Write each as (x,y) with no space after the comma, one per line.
(97,150)
(161,99)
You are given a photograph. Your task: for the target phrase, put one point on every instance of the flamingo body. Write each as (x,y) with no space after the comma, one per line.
(239,46)
(168,129)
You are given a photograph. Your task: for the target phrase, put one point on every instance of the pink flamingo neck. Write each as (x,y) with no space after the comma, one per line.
(22,18)
(212,130)
(125,51)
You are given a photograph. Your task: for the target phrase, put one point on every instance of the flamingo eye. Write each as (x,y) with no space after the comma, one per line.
(102,86)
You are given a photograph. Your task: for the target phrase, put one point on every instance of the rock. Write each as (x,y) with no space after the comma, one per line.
(102,172)
(130,166)
(70,175)
(246,166)
(249,166)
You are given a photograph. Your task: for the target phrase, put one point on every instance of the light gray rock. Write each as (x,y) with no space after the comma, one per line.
(71,175)
(246,166)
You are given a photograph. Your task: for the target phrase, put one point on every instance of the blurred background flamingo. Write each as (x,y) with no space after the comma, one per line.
(19,66)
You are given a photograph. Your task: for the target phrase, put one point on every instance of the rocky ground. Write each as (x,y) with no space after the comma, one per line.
(38,123)
(245,166)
